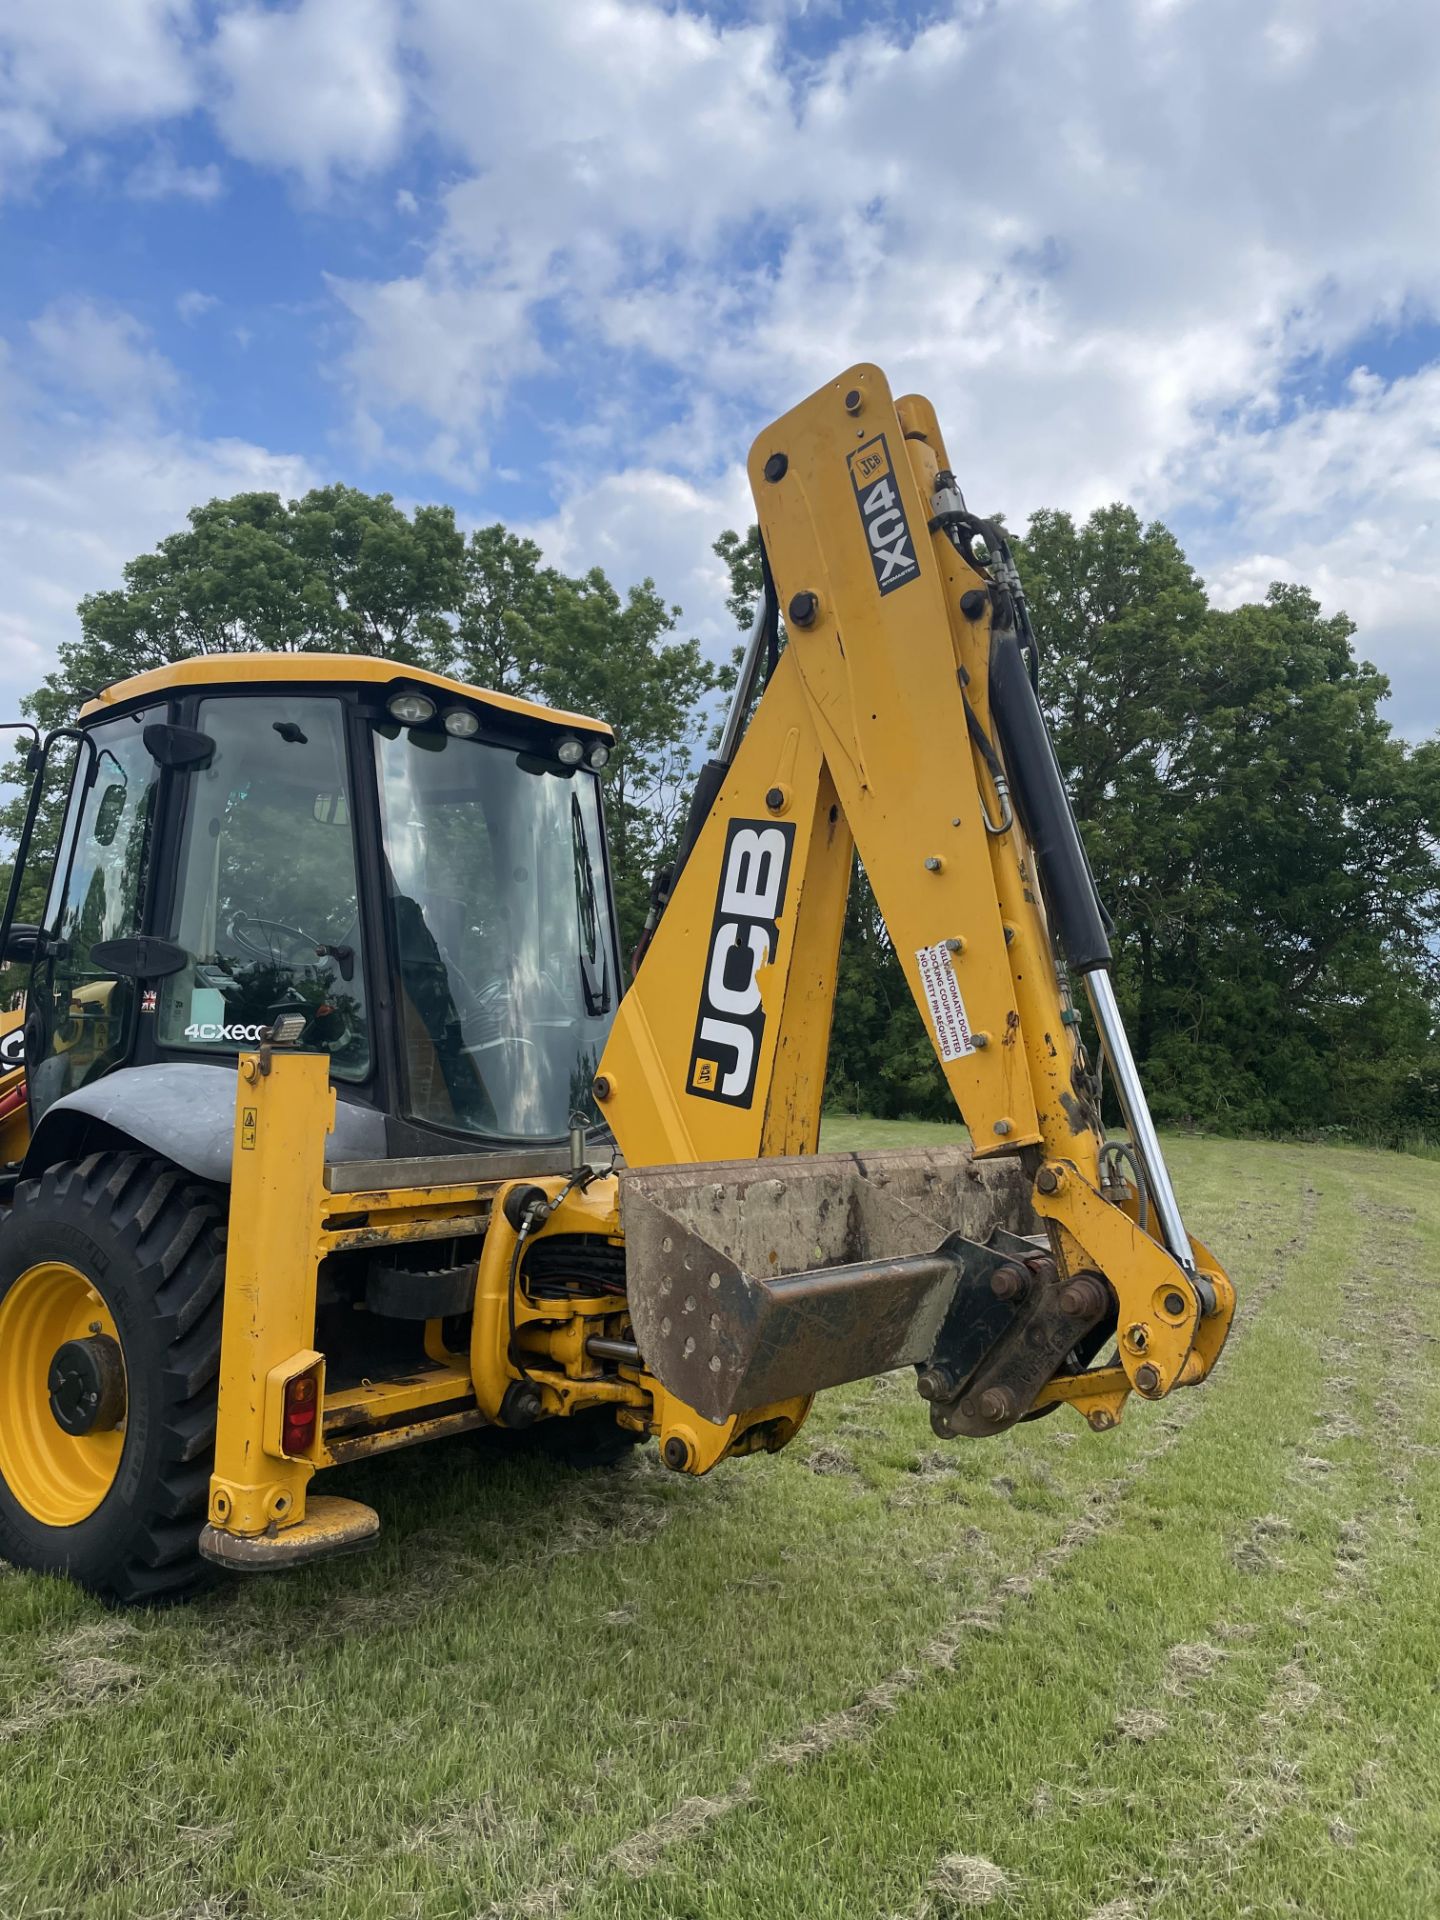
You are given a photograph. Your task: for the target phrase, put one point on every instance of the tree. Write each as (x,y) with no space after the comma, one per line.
(613,658)
(343,571)
(1270,852)
(1266,845)
(744,560)
(337,571)
(506,594)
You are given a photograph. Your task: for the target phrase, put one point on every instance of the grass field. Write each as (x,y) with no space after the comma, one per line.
(1186,1669)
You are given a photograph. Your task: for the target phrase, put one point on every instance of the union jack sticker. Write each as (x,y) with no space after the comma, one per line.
(147,1000)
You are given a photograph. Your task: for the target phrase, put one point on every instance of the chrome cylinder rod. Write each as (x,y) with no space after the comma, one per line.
(601,1347)
(744,686)
(1136,1108)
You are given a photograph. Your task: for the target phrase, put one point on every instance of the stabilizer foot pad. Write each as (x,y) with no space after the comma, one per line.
(331,1525)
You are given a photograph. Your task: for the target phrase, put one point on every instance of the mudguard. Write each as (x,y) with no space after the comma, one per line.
(182,1111)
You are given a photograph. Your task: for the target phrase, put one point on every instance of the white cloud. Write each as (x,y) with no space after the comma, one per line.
(1346,499)
(314,88)
(162,177)
(1102,238)
(82,493)
(26,140)
(192,305)
(101,353)
(1105,238)
(447,352)
(644,521)
(85,66)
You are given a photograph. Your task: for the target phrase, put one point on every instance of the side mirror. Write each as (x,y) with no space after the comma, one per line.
(23,945)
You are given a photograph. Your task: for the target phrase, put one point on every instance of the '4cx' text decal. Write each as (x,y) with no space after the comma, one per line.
(743,937)
(882,514)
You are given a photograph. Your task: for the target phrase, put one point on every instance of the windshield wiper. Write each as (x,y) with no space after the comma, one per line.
(595,977)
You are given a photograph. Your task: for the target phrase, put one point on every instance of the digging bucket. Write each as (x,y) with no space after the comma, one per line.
(751,1281)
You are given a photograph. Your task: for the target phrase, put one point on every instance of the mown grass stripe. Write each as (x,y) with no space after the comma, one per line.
(972,1746)
(641,1853)
(534,1672)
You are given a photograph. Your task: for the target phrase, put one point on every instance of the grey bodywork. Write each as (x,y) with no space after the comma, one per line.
(182,1111)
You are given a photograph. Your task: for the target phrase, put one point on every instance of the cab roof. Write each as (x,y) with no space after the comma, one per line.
(259,669)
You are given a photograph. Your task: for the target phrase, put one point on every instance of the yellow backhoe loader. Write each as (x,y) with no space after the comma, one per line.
(337,1134)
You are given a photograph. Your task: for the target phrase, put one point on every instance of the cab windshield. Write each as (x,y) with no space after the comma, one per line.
(500,915)
(268,905)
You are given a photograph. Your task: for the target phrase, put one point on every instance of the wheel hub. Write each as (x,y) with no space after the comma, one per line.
(58,1344)
(87,1385)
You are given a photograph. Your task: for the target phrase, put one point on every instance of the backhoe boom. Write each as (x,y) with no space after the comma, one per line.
(898,723)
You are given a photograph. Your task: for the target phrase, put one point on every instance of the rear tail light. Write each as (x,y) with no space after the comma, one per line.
(301,1414)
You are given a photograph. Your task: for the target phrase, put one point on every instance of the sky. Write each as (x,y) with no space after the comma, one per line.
(557,262)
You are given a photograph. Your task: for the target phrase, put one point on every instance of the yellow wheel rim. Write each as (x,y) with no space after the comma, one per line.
(59,1478)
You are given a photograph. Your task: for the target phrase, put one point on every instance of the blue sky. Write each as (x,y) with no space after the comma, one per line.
(557,261)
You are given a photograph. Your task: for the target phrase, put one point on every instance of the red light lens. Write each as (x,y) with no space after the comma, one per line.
(301,1411)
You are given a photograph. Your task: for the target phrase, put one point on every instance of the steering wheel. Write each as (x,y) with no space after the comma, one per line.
(482,1005)
(267,952)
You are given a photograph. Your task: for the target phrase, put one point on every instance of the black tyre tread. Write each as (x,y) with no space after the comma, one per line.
(194,1358)
(171,1227)
(166,1542)
(187,1489)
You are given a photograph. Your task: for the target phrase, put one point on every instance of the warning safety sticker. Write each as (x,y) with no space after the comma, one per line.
(942,996)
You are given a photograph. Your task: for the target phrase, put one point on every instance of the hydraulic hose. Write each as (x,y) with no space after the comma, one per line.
(1044,808)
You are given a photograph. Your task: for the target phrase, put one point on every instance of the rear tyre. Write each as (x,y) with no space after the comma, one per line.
(112,1272)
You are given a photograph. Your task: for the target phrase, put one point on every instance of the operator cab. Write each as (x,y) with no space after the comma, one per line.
(409,873)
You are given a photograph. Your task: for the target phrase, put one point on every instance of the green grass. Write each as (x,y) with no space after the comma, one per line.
(1184,1670)
(843,1132)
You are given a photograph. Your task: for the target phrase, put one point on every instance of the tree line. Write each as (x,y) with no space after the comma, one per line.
(340,571)
(1268,847)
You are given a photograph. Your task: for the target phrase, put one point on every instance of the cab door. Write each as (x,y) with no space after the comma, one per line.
(80,1015)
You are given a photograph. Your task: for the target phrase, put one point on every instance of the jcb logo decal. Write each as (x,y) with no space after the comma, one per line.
(882,514)
(743,939)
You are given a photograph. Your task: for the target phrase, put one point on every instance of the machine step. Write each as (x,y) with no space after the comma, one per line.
(331,1525)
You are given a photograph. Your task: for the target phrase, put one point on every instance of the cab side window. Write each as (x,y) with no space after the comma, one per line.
(85,1014)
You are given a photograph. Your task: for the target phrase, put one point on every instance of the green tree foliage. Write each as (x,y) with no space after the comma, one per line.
(336,572)
(742,556)
(1269,850)
(1267,846)
(506,595)
(340,571)
(613,657)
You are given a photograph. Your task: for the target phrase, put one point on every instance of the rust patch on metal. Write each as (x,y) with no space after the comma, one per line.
(754,1281)
(1052,1322)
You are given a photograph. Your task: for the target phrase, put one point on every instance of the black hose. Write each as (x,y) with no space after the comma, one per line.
(997,771)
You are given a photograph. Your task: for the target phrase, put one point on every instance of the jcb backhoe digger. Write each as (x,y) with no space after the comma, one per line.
(334,1133)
